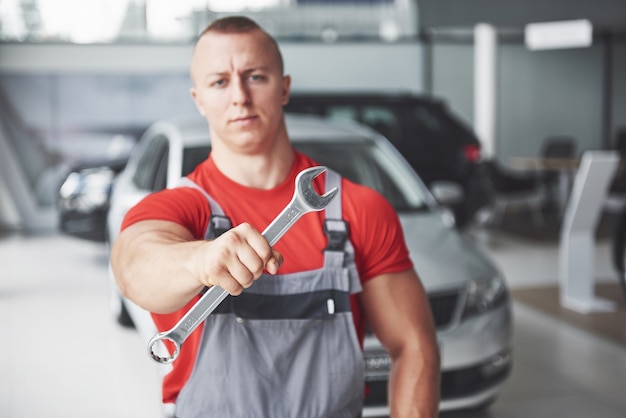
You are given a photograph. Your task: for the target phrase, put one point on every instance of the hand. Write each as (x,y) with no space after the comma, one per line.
(236,259)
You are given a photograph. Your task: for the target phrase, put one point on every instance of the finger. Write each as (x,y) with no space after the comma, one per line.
(274,263)
(257,242)
(248,252)
(230,284)
(247,267)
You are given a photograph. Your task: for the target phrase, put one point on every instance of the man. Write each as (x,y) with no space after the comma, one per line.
(243,361)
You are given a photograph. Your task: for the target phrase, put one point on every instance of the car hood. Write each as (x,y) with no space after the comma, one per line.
(443,257)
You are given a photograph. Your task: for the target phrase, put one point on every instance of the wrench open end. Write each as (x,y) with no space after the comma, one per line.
(307,194)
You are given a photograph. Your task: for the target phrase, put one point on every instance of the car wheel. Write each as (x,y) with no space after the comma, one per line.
(120,314)
(118,308)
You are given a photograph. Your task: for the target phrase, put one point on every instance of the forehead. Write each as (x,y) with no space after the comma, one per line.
(230,51)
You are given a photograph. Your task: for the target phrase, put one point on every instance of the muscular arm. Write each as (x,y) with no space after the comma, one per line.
(397,309)
(159,266)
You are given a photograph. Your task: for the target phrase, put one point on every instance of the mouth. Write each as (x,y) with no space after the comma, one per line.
(243,119)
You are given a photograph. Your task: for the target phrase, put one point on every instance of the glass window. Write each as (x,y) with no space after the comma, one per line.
(348,112)
(383,120)
(149,163)
(111,21)
(435,122)
(366,163)
(160,176)
(192,156)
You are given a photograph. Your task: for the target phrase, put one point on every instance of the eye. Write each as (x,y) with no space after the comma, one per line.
(257,77)
(218,83)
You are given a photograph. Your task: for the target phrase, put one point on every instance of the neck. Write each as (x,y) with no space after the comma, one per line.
(262,170)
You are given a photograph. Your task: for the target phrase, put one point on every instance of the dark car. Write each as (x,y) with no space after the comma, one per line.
(84,195)
(439,147)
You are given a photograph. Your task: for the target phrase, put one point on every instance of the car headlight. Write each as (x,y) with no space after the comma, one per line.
(485,295)
(86,190)
(70,186)
(97,187)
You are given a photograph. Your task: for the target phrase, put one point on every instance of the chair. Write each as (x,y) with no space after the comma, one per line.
(512,187)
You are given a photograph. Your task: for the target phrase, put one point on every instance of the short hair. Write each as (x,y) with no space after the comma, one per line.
(241,24)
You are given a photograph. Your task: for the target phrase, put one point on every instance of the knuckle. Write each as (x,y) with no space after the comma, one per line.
(244,228)
(230,239)
(232,287)
(265,253)
(247,280)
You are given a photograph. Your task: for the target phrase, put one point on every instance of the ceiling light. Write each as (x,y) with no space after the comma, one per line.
(561,34)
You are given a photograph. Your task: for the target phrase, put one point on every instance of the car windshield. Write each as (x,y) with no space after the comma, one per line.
(192,156)
(366,163)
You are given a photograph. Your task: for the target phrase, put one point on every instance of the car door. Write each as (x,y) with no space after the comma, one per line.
(145,173)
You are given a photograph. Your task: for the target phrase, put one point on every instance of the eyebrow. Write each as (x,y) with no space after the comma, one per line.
(213,74)
(249,70)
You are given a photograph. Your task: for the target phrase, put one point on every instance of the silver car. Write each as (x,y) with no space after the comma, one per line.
(467,292)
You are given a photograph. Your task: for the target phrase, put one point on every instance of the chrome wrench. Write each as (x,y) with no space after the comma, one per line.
(305,199)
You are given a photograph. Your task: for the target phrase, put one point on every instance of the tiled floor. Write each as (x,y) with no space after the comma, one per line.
(61,355)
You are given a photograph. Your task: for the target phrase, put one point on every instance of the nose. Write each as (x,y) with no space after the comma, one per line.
(240,92)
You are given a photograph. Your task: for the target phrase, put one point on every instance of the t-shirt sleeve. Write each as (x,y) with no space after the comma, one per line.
(184,206)
(378,237)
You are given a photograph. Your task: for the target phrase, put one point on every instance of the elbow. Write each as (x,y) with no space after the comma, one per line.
(120,278)
(120,268)
(128,287)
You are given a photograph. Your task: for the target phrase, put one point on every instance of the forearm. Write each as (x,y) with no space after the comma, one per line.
(414,383)
(397,309)
(154,267)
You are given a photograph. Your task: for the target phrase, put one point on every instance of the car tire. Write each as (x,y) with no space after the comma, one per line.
(118,308)
(121,315)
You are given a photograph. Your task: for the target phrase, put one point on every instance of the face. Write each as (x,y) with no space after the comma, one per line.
(239,88)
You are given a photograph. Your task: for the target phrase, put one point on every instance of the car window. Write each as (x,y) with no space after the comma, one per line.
(408,124)
(384,120)
(160,176)
(149,162)
(428,120)
(435,123)
(364,162)
(348,112)
(192,156)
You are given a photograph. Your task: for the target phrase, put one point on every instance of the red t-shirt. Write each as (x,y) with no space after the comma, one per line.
(374,230)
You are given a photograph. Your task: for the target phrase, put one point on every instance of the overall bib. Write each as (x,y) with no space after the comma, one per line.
(287,346)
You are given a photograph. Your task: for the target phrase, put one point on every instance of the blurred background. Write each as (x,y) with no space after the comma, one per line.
(494,103)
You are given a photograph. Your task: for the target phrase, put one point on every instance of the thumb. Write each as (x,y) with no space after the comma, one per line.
(274,262)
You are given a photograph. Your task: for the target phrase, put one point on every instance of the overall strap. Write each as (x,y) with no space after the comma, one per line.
(219,222)
(339,251)
(335,228)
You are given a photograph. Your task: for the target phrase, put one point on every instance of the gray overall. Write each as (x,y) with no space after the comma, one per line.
(287,347)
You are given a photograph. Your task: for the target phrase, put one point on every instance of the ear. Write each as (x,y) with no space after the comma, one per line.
(196,99)
(286,89)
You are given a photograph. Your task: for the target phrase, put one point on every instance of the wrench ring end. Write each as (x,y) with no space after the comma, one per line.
(159,359)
